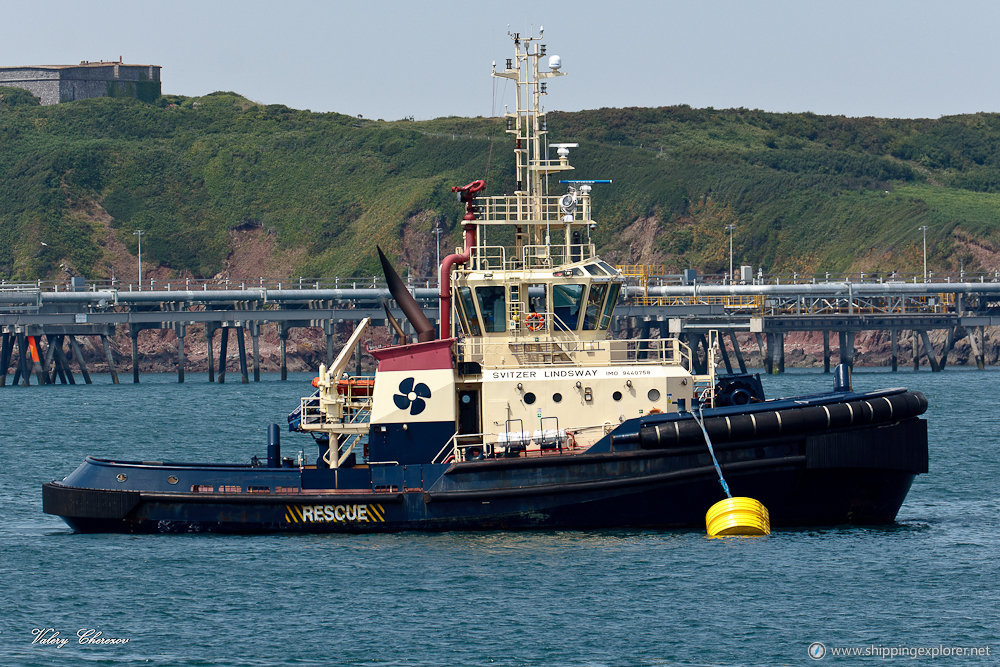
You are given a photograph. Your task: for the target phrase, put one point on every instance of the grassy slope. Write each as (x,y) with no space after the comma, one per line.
(807,193)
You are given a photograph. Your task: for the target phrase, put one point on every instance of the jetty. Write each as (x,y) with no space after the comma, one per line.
(41,323)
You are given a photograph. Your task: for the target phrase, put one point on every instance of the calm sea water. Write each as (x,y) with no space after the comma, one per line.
(550,598)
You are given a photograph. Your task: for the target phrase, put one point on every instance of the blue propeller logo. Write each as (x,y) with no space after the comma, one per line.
(411,396)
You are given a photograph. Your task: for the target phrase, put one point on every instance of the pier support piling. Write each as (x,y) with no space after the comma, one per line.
(949,345)
(826,351)
(209,334)
(55,364)
(134,335)
(737,352)
(894,349)
(81,363)
(23,365)
(725,353)
(17,370)
(929,350)
(282,344)
(62,363)
(48,364)
(330,340)
(242,347)
(5,353)
(781,352)
(916,349)
(762,349)
(223,351)
(770,354)
(106,344)
(179,329)
(255,346)
(980,354)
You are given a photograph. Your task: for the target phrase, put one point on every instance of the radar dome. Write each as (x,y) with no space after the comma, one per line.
(555,62)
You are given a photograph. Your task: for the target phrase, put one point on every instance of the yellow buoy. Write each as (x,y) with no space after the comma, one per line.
(737,516)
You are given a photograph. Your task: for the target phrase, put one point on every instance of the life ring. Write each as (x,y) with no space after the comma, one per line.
(534,321)
(654,411)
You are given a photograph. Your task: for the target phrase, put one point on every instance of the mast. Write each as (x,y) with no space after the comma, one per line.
(528,125)
(527,122)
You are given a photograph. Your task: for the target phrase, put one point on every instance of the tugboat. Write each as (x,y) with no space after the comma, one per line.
(520,412)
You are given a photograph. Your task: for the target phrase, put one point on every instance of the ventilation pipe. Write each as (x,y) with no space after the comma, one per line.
(466,194)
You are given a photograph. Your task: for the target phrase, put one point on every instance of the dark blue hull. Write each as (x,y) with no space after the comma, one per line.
(853,474)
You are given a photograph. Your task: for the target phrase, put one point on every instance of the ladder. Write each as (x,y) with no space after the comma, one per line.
(513,290)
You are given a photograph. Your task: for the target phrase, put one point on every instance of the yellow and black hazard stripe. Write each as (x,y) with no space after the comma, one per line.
(376,513)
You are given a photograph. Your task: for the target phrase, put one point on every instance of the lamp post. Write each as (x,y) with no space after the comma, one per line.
(730,228)
(139,233)
(923,228)
(437,251)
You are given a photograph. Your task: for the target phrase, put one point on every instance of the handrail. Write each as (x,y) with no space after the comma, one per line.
(621,351)
(556,254)
(530,209)
(453,444)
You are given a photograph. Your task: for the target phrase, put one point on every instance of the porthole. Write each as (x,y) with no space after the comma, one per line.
(556,397)
(121,477)
(653,395)
(466,399)
(529,398)
(617,396)
(172,479)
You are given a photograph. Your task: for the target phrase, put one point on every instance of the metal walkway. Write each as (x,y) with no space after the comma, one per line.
(43,324)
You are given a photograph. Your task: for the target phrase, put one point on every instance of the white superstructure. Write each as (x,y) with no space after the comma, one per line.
(531,303)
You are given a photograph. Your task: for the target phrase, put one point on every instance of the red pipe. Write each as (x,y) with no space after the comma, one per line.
(444,295)
(467,195)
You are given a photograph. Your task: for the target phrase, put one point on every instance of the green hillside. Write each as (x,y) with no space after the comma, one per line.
(808,193)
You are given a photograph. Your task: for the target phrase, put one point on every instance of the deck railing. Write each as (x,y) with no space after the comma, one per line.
(576,352)
(531,209)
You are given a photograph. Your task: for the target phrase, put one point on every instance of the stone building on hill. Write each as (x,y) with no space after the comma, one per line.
(52,84)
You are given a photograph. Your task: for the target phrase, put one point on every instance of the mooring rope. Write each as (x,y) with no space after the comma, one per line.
(711,450)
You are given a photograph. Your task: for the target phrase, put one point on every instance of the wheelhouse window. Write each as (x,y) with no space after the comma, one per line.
(609,305)
(595,301)
(537,303)
(607,267)
(467,312)
(493,306)
(566,304)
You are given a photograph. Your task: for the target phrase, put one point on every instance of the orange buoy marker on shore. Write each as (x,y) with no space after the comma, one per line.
(737,516)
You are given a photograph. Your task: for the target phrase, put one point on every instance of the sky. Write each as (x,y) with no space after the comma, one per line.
(427,58)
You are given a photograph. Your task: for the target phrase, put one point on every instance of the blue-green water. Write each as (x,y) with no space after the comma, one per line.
(551,598)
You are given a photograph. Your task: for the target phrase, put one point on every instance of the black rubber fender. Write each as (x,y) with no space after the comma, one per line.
(786,421)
